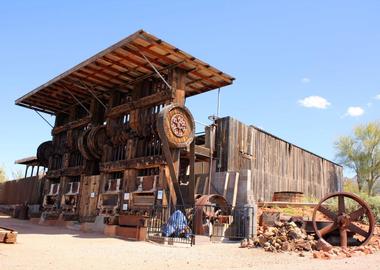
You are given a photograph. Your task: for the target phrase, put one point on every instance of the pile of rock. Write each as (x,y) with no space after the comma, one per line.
(340,253)
(291,237)
(282,237)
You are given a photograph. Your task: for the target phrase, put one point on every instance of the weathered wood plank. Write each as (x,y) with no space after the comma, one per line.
(276,165)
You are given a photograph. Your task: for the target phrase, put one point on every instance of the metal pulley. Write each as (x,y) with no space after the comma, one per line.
(208,207)
(175,124)
(82,145)
(91,142)
(44,151)
(345,226)
(96,139)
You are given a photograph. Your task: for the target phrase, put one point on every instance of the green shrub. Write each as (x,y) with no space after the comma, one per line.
(351,206)
(374,203)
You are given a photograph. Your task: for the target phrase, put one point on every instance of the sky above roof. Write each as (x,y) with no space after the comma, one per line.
(306,71)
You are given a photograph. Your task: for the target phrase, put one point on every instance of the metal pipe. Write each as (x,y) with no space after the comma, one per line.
(77,100)
(92,93)
(203,124)
(218,105)
(44,118)
(158,73)
(212,129)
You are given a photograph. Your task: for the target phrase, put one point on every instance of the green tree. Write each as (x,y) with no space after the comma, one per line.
(17,174)
(361,153)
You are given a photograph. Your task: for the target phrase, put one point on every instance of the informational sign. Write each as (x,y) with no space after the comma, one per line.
(92,195)
(126,196)
(125,207)
(159,195)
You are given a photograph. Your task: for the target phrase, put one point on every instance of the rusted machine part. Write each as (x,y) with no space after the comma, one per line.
(96,139)
(82,145)
(197,196)
(44,151)
(91,141)
(208,203)
(176,125)
(342,221)
(206,208)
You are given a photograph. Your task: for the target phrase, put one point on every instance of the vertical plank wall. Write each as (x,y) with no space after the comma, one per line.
(27,190)
(275,164)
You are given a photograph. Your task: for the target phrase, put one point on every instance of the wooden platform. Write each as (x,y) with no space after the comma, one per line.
(286,204)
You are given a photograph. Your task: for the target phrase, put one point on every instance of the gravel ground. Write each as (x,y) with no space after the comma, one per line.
(46,247)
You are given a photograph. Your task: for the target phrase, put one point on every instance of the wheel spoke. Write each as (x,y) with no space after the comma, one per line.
(327,229)
(353,228)
(343,237)
(356,215)
(327,213)
(341,205)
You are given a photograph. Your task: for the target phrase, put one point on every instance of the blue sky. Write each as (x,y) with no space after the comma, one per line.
(299,65)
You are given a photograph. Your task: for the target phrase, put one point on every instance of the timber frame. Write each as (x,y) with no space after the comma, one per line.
(123,141)
(106,156)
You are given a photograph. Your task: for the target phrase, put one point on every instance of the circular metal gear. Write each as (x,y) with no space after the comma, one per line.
(343,223)
(176,125)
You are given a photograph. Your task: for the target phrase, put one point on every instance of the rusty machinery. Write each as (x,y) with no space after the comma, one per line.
(165,132)
(341,226)
(124,133)
(175,128)
(209,210)
(154,136)
(68,160)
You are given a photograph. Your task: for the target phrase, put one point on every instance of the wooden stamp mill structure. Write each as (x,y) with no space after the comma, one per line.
(123,140)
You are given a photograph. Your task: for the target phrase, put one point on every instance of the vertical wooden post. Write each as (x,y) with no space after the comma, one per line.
(169,182)
(130,180)
(26,171)
(177,81)
(192,174)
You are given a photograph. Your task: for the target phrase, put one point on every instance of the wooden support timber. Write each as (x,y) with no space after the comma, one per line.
(8,236)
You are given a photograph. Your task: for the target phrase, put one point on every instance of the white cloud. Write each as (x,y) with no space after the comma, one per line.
(377,97)
(305,80)
(314,102)
(355,111)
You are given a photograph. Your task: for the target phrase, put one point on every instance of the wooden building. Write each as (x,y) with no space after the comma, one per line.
(267,164)
(124,142)
(123,138)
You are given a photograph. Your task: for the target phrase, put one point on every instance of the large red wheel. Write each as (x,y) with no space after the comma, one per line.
(342,221)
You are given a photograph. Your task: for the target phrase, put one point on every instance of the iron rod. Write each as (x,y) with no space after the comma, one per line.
(158,73)
(44,118)
(92,93)
(77,100)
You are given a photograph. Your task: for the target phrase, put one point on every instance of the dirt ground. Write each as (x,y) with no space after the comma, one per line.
(46,247)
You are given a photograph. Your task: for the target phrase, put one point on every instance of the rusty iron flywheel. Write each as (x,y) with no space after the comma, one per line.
(342,222)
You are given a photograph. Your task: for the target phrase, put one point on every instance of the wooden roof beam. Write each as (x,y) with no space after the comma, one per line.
(91,79)
(193,71)
(102,72)
(184,57)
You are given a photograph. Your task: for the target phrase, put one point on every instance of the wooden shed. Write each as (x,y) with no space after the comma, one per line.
(266,164)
